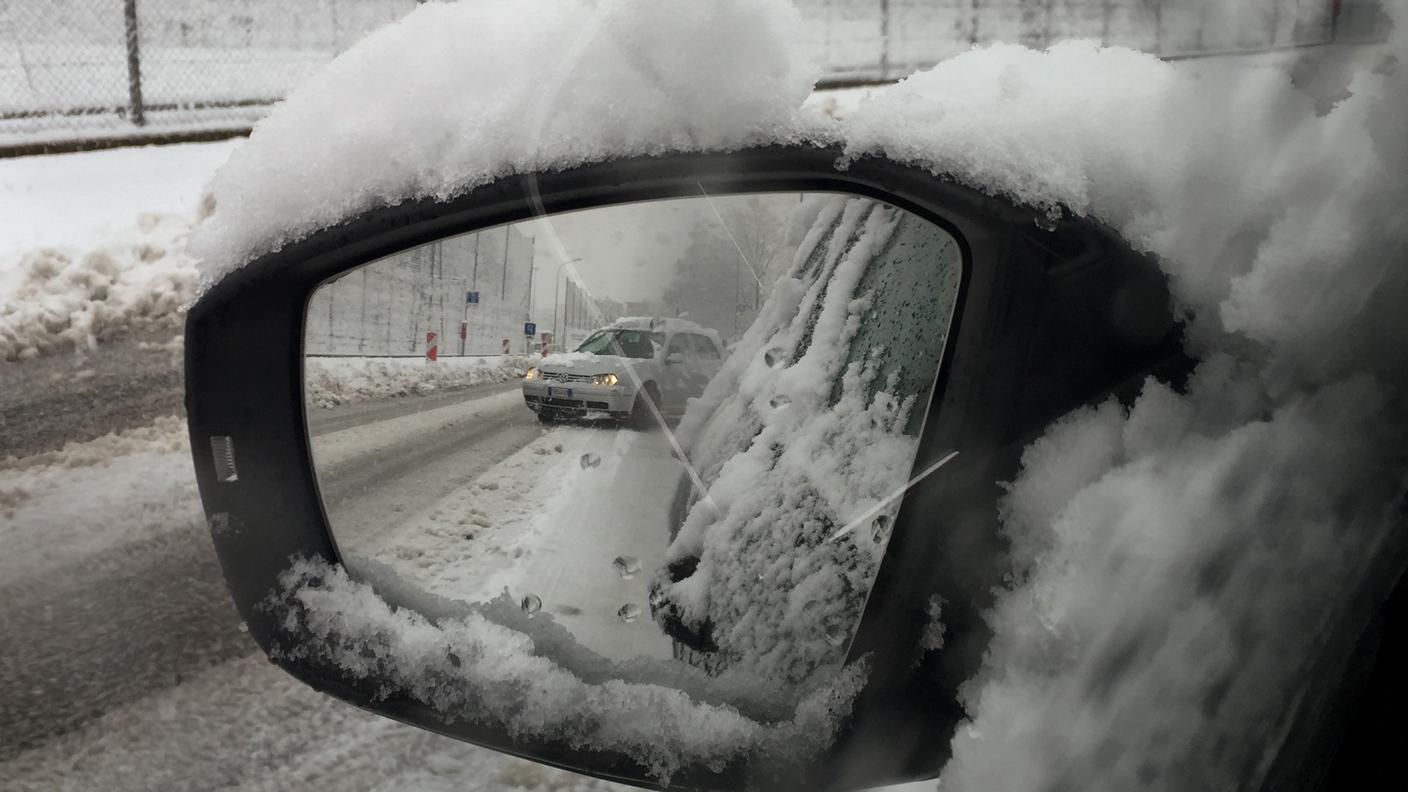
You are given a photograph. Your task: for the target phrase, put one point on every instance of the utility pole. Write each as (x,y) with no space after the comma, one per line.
(503,284)
(532,249)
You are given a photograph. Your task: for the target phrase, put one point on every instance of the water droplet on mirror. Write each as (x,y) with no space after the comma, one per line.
(626,566)
(628,613)
(880,528)
(835,637)
(773,357)
(779,401)
(590,461)
(244,628)
(531,604)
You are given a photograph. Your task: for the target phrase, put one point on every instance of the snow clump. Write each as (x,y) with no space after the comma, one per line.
(1185,569)
(331,381)
(54,300)
(563,83)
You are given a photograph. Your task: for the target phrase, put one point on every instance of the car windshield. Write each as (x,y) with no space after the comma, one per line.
(626,343)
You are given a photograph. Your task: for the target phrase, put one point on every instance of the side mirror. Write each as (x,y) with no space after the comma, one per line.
(783,588)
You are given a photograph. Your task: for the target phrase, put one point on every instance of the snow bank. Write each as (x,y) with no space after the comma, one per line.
(139,282)
(330,381)
(563,83)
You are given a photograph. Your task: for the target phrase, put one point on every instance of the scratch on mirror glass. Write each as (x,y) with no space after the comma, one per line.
(902,489)
(731,237)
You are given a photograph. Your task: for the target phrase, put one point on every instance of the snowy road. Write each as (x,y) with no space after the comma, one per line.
(466,494)
(123,664)
(376,462)
(50,401)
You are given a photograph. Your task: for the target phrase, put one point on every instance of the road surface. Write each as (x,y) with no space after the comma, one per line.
(98,631)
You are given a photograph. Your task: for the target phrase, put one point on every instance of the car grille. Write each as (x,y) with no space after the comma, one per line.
(571,404)
(559,376)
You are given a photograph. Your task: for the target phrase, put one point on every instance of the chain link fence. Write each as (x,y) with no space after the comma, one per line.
(95,69)
(76,73)
(879,40)
(387,307)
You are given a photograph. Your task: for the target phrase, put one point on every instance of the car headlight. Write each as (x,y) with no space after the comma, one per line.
(532,374)
(605,379)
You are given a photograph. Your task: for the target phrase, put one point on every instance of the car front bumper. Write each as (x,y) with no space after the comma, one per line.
(576,398)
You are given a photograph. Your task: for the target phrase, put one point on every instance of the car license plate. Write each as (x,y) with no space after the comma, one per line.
(559,393)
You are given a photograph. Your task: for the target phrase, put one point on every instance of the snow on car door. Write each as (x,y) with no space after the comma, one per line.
(675,372)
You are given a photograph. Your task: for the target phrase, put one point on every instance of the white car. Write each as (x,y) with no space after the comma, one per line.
(623,367)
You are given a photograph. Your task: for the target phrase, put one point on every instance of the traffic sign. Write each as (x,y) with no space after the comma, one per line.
(529,328)
(471,298)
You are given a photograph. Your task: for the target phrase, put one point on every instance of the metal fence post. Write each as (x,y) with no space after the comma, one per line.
(884,39)
(134,65)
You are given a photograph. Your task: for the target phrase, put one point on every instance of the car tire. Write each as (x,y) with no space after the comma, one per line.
(642,417)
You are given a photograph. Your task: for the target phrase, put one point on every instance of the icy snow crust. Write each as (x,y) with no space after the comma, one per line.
(474,668)
(1178,567)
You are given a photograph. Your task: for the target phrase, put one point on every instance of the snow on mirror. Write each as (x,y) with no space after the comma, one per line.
(666,441)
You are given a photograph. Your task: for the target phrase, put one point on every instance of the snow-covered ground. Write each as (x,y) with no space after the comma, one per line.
(79,201)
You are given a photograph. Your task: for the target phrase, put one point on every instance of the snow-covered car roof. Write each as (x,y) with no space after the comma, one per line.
(664,324)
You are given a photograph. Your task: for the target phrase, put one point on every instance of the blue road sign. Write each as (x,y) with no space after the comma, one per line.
(529,328)
(471,298)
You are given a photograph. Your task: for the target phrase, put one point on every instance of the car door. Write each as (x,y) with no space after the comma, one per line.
(675,367)
(707,361)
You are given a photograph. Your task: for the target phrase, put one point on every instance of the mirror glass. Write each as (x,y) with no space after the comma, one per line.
(668,439)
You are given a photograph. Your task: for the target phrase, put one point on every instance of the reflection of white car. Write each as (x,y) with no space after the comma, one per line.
(623,367)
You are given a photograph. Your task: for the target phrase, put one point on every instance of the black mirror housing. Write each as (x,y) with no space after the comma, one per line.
(1043,326)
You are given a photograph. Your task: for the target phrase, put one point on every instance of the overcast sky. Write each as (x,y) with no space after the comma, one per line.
(628,252)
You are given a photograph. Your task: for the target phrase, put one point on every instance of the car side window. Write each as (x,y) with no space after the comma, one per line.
(912,288)
(704,348)
(679,343)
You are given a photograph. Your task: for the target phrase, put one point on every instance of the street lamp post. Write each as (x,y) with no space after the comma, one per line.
(556,287)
